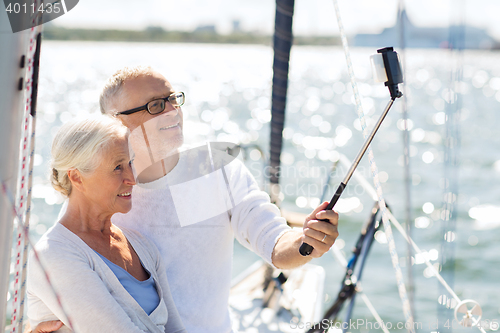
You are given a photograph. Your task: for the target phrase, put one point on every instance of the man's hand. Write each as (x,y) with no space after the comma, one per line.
(321,234)
(47,327)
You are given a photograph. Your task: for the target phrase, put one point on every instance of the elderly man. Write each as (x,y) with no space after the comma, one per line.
(193,203)
(198,251)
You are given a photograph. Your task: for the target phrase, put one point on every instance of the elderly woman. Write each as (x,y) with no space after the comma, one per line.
(102,278)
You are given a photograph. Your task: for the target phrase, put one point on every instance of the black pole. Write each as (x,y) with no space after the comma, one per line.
(36,72)
(283,39)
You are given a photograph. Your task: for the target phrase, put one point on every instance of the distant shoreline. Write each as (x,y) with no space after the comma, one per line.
(160,35)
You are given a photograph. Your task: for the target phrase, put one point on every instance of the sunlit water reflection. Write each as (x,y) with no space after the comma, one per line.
(228,89)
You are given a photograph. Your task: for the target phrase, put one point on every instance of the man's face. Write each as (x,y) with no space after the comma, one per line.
(163,131)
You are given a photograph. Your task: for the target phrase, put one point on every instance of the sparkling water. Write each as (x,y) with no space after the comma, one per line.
(228,89)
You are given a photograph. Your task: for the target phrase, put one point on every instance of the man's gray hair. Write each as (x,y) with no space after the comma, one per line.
(113,87)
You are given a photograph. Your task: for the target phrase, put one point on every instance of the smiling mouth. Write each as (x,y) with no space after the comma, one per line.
(126,194)
(168,127)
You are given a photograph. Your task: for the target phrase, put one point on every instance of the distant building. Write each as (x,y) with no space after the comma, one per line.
(417,37)
(236,26)
(210,28)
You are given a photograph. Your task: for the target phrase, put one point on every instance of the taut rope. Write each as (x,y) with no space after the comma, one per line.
(374,170)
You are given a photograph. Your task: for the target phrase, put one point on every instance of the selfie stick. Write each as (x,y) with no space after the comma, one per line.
(387,59)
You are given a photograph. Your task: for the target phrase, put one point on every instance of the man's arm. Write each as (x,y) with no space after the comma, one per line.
(286,251)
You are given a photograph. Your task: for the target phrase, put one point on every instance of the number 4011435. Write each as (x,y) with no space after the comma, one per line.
(18,8)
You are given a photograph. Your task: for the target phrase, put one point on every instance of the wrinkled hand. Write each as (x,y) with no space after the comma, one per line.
(314,231)
(47,326)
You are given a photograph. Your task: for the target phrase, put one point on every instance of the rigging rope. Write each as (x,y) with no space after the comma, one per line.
(35,252)
(402,18)
(374,170)
(24,203)
(451,162)
(355,266)
(400,228)
(34,95)
(341,259)
(21,204)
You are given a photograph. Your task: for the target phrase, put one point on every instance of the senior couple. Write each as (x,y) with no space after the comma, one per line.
(143,244)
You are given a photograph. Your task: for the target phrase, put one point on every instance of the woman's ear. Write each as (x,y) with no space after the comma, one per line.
(75,177)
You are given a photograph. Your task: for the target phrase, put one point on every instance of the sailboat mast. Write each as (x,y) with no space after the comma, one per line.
(12,74)
(282,43)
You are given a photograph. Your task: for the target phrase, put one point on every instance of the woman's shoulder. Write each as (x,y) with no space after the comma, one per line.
(58,251)
(55,236)
(60,244)
(141,244)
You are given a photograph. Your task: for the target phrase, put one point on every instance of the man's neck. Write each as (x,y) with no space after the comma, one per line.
(159,169)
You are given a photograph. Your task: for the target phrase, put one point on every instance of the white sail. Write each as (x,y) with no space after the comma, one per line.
(12,104)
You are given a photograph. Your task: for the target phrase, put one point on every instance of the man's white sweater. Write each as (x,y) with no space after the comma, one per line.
(193,215)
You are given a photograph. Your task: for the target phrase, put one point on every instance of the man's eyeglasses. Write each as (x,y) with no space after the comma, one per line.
(158,105)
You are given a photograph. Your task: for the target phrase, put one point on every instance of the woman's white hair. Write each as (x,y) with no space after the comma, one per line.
(113,87)
(79,145)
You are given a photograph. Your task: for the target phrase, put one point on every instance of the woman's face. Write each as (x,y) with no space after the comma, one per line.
(109,188)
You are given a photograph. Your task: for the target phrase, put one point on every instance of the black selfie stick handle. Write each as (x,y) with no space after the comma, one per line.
(306,249)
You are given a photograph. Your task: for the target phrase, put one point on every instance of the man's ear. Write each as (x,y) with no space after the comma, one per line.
(75,177)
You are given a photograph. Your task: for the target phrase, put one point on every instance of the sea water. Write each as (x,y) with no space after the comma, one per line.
(228,90)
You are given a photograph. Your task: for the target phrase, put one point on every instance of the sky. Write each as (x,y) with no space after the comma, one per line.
(311,17)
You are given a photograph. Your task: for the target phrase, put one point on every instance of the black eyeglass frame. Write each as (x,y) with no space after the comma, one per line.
(145,107)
